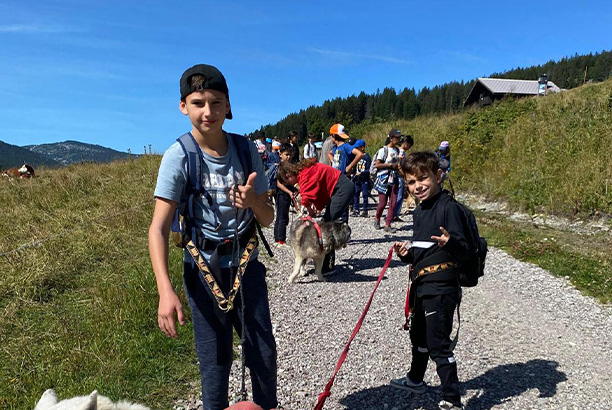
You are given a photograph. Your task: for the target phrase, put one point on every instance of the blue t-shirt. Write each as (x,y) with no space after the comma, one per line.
(342,156)
(219,175)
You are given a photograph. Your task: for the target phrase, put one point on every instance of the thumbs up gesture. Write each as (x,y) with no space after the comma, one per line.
(243,196)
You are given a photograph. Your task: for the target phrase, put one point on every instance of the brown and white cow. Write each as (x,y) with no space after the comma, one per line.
(26,171)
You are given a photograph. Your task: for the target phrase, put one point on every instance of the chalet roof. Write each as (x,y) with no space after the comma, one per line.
(525,87)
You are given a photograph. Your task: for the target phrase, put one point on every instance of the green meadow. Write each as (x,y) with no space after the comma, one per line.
(78,299)
(78,296)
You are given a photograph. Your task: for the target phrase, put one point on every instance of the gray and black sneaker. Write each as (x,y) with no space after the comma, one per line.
(447,405)
(376,223)
(389,229)
(406,384)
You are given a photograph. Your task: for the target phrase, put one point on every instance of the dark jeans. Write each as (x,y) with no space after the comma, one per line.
(430,335)
(283,202)
(390,196)
(341,197)
(362,188)
(401,194)
(338,209)
(214,338)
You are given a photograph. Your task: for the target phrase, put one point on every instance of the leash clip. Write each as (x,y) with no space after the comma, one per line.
(408,323)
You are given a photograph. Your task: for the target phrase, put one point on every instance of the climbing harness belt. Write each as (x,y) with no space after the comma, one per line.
(226,303)
(436,268)
(428,270)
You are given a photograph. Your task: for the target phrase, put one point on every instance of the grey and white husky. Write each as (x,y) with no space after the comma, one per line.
(49,401)
(304,240)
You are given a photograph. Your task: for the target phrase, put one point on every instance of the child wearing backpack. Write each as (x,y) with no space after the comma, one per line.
(361,180)
(386,183)
(222,213)
(405,144)
(442,242)
(284,196)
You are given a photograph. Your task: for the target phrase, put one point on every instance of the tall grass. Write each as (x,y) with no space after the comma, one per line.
(540,154)
(78,297)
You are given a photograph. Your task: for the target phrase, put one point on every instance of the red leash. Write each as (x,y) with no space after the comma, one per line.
(327,392)
(407,310)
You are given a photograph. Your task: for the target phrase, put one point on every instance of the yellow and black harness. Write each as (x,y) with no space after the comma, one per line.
(225,303)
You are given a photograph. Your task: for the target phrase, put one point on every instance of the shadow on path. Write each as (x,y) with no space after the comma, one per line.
(496,386)
(511,380)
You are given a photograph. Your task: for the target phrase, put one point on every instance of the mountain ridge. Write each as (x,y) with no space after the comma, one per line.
(57,154)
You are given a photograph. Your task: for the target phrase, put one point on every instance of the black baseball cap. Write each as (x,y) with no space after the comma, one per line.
(213,80)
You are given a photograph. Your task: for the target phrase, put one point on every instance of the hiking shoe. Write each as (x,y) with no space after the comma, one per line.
(397,219)
(406,384)
(389,229)
(364,215)
(355,213)
(447,405)
(376,223)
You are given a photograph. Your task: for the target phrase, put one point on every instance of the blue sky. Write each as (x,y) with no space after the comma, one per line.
(107,72)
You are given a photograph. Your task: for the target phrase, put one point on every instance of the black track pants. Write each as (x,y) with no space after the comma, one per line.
(431,337)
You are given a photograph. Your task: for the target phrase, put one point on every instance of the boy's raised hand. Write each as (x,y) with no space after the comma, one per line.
(243,196)
(443,239)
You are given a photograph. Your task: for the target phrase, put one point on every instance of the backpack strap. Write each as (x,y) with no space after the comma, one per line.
(194,187)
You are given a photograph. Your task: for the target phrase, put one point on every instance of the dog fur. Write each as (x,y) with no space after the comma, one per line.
(49,401)
(304,240)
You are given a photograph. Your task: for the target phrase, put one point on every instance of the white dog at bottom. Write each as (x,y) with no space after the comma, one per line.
(48,401)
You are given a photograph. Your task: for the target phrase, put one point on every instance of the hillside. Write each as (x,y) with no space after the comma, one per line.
(390,104)
(13,156)
(539,154)
(71,152)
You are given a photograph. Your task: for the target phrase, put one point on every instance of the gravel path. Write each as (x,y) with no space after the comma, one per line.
(528,340)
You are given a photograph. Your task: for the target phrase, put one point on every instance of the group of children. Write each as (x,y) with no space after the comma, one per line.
(230,200)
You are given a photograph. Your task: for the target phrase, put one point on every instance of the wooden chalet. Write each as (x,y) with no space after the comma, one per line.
(487,90)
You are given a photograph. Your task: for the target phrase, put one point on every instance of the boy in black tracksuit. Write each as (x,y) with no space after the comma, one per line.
(435,291)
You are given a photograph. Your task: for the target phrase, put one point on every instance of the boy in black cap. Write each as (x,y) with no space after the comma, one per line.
(223,211)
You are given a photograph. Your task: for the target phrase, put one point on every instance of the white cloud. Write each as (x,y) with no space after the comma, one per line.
(31,28)
(361,56)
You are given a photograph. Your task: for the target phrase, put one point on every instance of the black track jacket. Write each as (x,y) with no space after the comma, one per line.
(440,210)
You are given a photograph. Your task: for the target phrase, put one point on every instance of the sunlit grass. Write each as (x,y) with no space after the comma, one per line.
(79,301)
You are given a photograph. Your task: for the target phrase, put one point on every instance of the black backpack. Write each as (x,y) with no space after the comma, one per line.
(472,269)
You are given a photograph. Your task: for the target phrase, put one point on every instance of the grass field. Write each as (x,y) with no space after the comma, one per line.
(79,301)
